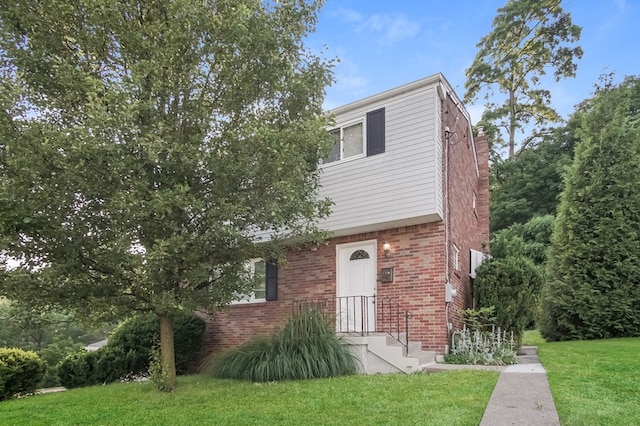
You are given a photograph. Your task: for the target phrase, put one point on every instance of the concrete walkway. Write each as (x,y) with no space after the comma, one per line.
(522,395)
(50,390)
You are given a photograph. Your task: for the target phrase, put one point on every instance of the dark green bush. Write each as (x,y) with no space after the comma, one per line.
(140,334)
(52,355)
(129,351)
(512,285)
(78,370)
(305,348)
(113,363)
(20,372)
(105,365)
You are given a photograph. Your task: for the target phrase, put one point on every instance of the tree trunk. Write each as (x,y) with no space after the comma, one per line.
(512,123)
(167,353)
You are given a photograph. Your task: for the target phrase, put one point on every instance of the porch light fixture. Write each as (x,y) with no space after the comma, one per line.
(387,248)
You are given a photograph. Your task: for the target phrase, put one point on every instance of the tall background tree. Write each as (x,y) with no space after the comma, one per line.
(593,290)
(528,38)
(144,147)
(530,183)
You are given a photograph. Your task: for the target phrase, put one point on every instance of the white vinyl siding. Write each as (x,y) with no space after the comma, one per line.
(403,185)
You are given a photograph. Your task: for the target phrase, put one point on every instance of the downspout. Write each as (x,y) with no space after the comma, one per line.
(447,219)
(447,135)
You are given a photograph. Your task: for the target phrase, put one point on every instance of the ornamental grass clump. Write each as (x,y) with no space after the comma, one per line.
(305,348)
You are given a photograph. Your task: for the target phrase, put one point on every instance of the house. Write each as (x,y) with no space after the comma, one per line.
(410,187)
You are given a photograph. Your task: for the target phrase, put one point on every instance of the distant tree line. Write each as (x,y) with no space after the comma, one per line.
(565,222)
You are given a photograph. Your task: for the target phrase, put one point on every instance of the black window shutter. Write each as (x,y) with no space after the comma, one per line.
(271,277)
(375,132)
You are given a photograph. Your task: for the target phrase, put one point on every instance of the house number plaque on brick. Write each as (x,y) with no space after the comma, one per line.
(386,275)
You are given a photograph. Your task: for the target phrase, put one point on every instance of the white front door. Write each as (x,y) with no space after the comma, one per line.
(356,286)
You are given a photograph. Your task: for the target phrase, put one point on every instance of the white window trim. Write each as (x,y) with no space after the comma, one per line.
(341,127)
(250,298)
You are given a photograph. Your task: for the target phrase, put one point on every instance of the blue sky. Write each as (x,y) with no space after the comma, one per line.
(384,44)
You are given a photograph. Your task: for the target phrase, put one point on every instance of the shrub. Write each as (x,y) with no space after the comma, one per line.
(77,370)
(305,348)
(483,319)
(52,355)
(129,352)
(20,372)
(512,285)
(106,365)
(141,334)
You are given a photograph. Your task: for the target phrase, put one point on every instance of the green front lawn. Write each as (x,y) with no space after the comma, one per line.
(595,382)
(451,398)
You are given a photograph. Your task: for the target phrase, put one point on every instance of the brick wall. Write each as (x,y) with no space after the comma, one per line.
(468,223)
(417,256)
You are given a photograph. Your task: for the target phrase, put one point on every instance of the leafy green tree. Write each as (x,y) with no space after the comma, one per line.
(528,38)
(28,328)
(147,148)
(593,289)
(530,184)
(531,240)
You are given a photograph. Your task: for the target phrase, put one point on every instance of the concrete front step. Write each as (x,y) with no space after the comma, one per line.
(380,353)
(528,350)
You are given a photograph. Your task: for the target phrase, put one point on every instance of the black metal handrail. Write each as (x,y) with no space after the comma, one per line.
(363,315)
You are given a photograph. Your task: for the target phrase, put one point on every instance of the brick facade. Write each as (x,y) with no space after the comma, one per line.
(418,255)
(468,220)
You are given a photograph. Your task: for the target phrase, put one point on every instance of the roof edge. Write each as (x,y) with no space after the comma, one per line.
(423,82)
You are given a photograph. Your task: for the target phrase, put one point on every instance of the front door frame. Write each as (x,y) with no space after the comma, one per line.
(369,292)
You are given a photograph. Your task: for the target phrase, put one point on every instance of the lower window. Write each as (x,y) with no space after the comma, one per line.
(257,268)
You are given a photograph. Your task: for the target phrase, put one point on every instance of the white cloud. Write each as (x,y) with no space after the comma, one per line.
(385,29)
(351,83)
(622,5)
(350,79)
(389,28)
(348,15)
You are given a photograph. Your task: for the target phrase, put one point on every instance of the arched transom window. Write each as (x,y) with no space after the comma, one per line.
(359,254)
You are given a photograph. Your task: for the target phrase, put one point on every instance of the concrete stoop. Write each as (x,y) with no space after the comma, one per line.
(381,354)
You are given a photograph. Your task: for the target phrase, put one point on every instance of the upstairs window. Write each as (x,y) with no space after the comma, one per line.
(348,142)
(366,137)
